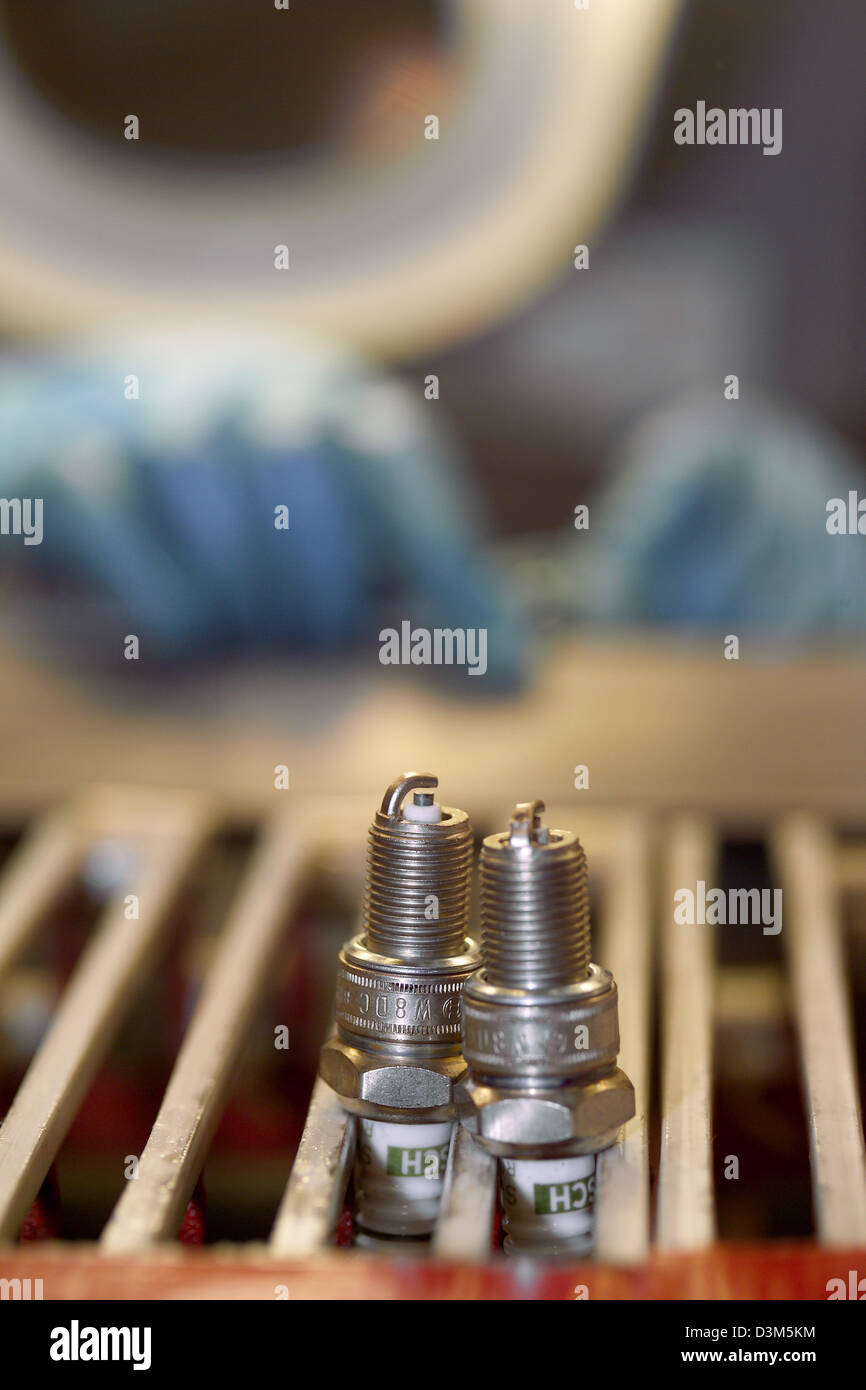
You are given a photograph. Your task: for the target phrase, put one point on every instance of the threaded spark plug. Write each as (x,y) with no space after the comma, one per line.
(396,1052)
(541,1037)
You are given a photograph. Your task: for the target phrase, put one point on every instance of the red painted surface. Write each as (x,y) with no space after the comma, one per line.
(192,1228)
(345,1229)
(794,1271)
(42,1221)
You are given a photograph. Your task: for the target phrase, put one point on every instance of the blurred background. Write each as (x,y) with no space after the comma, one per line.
(432,381)
(282,293)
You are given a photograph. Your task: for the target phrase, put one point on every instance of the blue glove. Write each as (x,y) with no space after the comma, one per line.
(159,511)
(717,514)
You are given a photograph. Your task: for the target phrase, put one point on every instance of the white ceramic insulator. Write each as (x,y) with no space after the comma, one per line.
(429,815)
(547,1205)
(399,1177)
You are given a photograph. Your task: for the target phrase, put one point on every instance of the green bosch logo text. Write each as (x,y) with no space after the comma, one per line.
(552,1198)
(417,1163)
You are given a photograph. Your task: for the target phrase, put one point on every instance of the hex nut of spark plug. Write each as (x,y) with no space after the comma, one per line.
(384,1088)
(547,1123)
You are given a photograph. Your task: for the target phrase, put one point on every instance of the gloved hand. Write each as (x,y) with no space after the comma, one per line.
(716,515)
(159,511)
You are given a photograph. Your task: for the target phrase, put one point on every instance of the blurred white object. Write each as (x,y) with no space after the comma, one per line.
(533,148)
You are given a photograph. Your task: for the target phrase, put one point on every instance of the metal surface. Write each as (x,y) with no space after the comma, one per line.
(396,1050)
(577,1118)
(813,939)
(541,1035)
(622,1215)
(398,1001)
(152,1206)
(464,1230)
(535,927)
(379,1087)
(94,1002)
(39,869)
(416,904)
(541,1038)
(680,1257)
(320,1174)
(520,1033)
(686,1215)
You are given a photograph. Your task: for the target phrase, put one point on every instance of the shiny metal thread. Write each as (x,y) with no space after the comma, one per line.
(416,905)
(535,918)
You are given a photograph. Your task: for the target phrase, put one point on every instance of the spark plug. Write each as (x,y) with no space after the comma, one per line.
(541,1038)
(396,1053)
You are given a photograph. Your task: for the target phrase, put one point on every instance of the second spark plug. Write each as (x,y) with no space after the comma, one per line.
(541,1037)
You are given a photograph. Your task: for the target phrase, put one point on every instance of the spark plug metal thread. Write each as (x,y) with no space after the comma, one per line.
(426,852)
(396,1052)
(541,1037)
(535,922)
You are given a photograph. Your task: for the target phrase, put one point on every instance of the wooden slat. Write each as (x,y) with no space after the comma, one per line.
(646,704)
(317,1184)
(465,1224)
(849,865)
(803,853)
(622,1228)
(91,1009)
(151,1206)
(686,1215)
(33,879)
